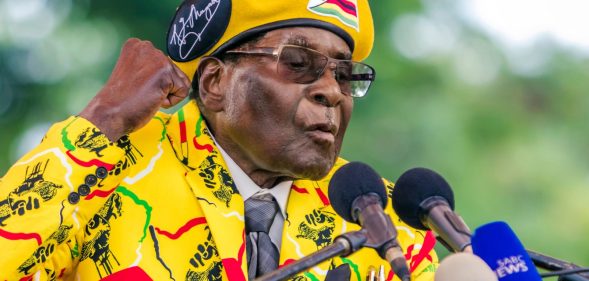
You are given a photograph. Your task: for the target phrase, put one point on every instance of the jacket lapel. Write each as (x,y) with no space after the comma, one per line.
(213,187)
(223,209)
(312,227)
(308,229)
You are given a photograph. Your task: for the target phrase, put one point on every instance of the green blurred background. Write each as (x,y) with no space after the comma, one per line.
(504,121)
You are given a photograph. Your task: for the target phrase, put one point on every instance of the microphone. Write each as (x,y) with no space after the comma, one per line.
(464,267)
(565,274)
(499,247)
(357,193)
(424,200)
(567,271)
(342,245)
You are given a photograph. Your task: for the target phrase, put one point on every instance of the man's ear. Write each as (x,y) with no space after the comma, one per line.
(211,71)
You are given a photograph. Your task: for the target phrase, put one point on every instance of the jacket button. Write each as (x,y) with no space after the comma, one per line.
(73,198)
(83,189)
(101,172)
(91,180)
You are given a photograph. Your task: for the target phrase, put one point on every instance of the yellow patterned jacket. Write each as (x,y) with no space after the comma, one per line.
(158,205)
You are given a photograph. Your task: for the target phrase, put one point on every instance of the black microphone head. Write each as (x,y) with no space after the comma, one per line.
(412,188)
(351,181)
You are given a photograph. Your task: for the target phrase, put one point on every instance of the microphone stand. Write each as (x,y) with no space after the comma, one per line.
(343,245)
(553,264)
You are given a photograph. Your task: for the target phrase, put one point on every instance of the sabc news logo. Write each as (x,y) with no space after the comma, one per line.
(510,265)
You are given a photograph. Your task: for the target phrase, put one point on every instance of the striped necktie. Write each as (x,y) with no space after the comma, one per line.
(262,254)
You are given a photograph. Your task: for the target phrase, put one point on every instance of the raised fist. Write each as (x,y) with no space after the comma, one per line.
(142,81)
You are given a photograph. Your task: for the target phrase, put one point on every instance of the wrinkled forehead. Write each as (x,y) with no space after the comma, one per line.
(318,39)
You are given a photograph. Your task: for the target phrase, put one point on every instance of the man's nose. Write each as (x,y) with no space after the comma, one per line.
(326,90)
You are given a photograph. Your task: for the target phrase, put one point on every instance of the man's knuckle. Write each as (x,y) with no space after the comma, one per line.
(132,41)
(165,67)
(166,82)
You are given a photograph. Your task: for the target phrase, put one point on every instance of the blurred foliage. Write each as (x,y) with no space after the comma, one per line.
(512,145)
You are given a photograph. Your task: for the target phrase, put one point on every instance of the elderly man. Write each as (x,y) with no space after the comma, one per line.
(122,191)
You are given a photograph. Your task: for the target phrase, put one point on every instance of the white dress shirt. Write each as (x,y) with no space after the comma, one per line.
(247,187)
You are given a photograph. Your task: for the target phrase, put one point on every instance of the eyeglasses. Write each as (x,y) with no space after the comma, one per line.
(304,66)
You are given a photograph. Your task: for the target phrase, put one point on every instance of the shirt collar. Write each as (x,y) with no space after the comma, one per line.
(247,187)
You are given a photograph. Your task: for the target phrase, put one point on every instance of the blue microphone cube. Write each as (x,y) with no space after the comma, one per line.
(499,247)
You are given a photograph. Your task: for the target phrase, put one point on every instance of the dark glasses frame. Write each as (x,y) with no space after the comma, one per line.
(312,74)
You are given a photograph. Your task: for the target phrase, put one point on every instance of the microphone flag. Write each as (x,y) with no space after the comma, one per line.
(499,247)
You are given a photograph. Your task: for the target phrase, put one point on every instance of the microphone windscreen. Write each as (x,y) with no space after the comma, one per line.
(412,188)
(351,181)
(464,267)
(500,248)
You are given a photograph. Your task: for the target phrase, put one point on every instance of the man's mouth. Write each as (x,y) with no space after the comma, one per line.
(322,132)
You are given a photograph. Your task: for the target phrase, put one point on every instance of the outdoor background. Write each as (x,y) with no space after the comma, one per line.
(494,95)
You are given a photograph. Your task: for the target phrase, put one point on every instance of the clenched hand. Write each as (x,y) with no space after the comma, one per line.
(143,80)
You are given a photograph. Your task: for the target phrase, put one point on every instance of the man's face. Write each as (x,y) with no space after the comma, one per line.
(272,124)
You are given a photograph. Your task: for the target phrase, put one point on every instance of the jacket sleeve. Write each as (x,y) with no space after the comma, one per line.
(48,196)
